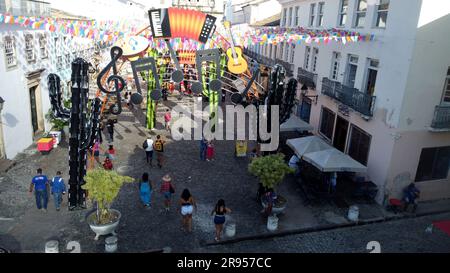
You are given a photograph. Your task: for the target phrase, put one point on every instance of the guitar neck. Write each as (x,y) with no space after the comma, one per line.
(232,44)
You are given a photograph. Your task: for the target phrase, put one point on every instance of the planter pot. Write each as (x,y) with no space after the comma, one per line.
(277,208)
(106,228)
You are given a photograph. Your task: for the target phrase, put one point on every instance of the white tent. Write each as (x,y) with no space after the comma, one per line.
(333,160)
(307,144)
(294,123)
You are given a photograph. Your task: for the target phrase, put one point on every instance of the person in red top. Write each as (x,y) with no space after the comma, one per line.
(167,118)
(111,153)
(107,164)
(167,189)
(210,151)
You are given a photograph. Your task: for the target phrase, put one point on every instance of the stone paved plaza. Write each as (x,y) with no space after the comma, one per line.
(25,229)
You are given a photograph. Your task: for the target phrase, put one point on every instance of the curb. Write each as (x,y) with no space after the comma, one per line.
(323,228)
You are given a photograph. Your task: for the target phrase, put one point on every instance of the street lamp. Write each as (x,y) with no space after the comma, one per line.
(1,104)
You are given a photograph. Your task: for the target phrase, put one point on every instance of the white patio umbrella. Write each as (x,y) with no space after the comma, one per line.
(333,160)
(294,123)
(307,144)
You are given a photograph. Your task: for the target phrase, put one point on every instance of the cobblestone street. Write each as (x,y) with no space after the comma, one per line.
(151,229)
(402,236)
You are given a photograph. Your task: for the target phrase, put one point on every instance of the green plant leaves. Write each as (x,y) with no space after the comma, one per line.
(104,186)
(269,169)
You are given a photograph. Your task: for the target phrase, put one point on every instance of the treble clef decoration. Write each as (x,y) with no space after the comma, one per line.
(119,82)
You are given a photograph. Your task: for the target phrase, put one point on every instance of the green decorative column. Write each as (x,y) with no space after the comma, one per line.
(151,104)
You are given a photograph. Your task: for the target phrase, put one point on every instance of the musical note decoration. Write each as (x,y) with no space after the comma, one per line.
(119,82)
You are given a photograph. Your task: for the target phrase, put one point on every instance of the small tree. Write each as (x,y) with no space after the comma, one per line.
(270,169)
(103,187)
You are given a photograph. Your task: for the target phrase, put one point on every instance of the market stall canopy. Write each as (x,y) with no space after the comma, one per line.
(307,144)
(333,160)
(294,123)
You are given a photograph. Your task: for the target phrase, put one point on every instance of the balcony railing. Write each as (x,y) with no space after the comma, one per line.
(352,97)
(25,7)
(269,62)
(307,77)
(441,118)
(259,58)
(287,66)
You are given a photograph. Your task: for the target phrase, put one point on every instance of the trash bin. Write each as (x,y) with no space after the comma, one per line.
(272,223)
(111,244)
(353,213)
(52,247)
(230,229)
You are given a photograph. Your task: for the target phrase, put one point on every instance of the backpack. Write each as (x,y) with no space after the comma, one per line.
(158,146)
(145,144)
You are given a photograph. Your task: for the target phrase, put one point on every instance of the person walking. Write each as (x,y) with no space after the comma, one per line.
(164,94)
(129,102)
(187,204)
(40,185)
(110,128)
(203,147)
(146,187)
(167,189)
(96,149)
(167,119)
(111,153)
(148,148)
(100,133)
(210,151)
(107,164)
(158,147)
(58,189)
(219,212)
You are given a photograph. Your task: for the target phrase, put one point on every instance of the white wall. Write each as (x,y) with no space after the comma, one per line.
(16,114)
(429,64)
(393,47)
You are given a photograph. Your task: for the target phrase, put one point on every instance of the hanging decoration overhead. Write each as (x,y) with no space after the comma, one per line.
(276,35)
(196,30)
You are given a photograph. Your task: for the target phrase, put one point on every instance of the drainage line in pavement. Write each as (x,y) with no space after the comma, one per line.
(322,228)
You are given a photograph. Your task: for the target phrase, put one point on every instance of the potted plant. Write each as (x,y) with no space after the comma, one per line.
(103,187)
(57,124)
(270,171)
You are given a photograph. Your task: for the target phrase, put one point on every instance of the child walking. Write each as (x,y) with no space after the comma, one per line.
(210,151)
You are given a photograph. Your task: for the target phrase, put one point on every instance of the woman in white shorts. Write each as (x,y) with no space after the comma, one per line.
(187,204)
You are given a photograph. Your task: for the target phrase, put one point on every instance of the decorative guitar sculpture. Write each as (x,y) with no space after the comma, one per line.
(236,63)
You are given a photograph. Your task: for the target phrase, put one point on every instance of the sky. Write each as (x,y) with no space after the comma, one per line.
(96,9)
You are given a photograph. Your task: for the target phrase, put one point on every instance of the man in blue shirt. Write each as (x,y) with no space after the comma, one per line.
(58,189)
(40,184)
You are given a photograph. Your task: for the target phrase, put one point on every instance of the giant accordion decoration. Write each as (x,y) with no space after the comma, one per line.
(181,23)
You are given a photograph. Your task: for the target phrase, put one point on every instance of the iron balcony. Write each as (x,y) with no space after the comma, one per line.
(441,118)
(349,96)
(307,78)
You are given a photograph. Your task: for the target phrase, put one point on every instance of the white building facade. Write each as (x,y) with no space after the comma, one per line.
(27,58)
(385,102)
